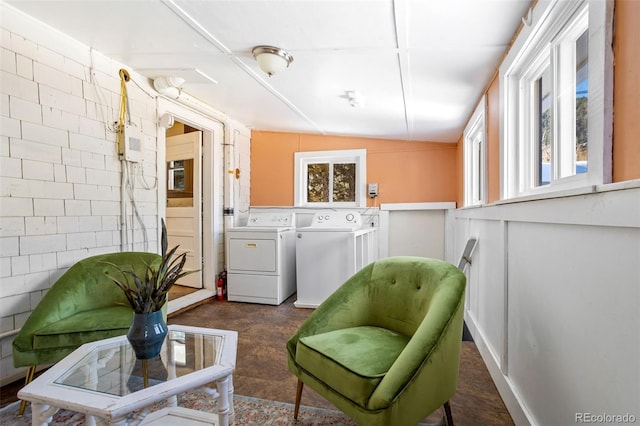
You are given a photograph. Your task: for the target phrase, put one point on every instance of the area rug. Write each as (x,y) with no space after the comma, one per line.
(248,411)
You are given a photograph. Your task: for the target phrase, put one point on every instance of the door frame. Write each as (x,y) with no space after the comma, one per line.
(212,195)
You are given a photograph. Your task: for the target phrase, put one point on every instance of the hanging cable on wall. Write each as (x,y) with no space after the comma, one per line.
(125,117)
(128,170)
(135,212)
(102,102)
(124,240)
(138,172)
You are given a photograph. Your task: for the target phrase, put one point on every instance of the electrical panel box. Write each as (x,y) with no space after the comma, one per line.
(373,190)
(133,149)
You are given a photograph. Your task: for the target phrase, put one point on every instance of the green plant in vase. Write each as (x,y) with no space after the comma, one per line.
(147,295)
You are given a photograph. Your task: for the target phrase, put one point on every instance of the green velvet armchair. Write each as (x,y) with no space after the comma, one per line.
(385,347)
(83,305)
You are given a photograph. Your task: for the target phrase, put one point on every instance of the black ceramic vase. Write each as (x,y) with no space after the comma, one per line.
(146,334)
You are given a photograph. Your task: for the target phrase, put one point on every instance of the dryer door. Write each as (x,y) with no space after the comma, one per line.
(252,255)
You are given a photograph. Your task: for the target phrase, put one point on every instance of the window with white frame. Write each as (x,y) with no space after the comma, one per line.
(331,178)
(475,157)
(556,88)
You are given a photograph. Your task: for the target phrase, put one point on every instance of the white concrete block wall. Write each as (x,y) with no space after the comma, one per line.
(60,175)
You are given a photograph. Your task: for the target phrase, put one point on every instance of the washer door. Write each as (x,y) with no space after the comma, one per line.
(252,255)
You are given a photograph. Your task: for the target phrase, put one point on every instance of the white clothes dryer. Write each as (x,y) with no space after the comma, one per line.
(260,257)
(329,251)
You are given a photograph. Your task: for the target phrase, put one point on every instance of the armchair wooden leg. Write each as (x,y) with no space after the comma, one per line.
(447,412)
(30,373)
(298,396)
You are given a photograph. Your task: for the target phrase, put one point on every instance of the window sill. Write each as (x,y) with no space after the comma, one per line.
(592,189)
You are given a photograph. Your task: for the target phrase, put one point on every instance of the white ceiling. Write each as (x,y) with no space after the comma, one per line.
(419,66)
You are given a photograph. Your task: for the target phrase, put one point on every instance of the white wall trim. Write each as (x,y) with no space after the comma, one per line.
(418,206)
(383,235)
(188,300)
(610,210)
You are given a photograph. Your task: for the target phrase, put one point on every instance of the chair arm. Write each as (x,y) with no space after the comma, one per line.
(432,353)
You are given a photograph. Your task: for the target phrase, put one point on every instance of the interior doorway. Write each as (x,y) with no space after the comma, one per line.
(190,196)
(183,159)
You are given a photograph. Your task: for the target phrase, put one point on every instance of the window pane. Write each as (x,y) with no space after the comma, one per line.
(582,97)
(543,121)
(318,183)
(478,165)
(180,183)
(344,182)
(175,174)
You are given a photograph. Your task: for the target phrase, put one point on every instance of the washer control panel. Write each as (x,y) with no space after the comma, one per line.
(333,219)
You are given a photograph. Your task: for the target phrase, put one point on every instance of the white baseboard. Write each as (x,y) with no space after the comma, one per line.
(188,299)
(20,375)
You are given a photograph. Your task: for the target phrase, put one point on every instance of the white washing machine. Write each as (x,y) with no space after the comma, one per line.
(329,251)
(261,259)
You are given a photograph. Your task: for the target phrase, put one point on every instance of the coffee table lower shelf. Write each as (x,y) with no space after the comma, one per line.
(172,416)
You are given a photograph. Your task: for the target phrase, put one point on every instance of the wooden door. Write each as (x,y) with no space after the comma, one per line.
(184,201)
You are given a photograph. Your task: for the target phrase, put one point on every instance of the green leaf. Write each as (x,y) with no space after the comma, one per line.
(148,293)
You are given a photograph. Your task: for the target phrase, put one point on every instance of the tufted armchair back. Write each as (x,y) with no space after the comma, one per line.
(416,299)
(86,285)
(83,305)
(400,292)
(394,293)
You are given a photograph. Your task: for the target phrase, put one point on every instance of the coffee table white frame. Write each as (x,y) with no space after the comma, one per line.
(47,397)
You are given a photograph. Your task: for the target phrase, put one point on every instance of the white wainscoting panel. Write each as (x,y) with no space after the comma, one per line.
(416,233)
(553,301)
(486,285)
(573,300)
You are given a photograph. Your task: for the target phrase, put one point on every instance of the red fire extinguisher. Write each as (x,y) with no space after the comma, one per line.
(221,285)
(220,289)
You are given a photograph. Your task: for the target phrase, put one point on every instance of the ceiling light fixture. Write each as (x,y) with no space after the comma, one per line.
(168,86)
(271,59)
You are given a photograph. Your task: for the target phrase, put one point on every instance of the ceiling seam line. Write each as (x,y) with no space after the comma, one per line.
(275,93)
(182,14)
(400,9)
(195,25)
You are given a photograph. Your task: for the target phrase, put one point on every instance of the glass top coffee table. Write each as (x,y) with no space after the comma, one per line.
(106,382)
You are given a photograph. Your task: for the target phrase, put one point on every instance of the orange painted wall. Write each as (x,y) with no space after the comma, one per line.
(626,94)
(459,172)
(493,141)
(406,172)
(272,168)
